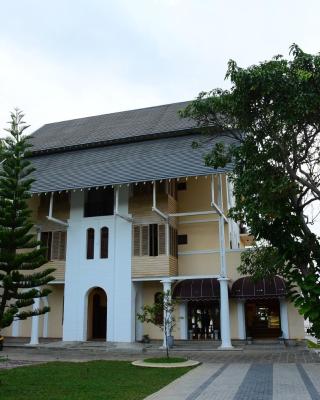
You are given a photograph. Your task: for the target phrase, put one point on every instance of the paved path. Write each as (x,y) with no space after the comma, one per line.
(242,381)
(288,374)
(289,355)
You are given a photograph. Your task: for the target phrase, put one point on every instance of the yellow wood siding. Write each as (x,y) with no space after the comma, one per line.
(59,266)
(150,266)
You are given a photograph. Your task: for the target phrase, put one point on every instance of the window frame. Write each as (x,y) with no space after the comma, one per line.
(90,243)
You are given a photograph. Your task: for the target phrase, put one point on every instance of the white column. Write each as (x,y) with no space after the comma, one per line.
(45,318)
(224,314)
(183,314)
(34,339)
(138,306)
(15,328)
(284,318)
(241,319)
(166,288)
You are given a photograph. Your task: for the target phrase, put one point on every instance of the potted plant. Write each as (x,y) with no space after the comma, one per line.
(161,314)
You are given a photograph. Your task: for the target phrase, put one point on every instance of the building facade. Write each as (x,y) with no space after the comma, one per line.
(128,210)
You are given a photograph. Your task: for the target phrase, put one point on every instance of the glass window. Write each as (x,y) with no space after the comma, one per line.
(104,239)
(90,243)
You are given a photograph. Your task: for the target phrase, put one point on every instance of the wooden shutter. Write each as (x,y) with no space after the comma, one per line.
(136,240)
(46,239)
(162,238)
(62,245)
(55,245)
(145,240)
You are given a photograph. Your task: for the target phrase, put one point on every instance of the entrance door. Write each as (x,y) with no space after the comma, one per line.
(203,320)
(97,314)
(263,318)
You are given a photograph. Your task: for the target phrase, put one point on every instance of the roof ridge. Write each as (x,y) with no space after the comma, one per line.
(112,113)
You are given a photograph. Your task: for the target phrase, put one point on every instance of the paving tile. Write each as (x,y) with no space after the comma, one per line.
(257,383)
(288,384)
(226,385)
(182,387)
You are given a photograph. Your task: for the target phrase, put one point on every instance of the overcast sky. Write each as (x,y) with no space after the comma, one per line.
(68,59)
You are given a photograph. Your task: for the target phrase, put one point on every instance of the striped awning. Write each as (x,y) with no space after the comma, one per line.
(247,288)
(197,289)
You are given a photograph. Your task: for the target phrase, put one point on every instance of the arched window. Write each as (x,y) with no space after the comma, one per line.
(158,301)
(104,242)
(90,244)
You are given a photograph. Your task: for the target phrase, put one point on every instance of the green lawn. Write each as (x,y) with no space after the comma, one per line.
(95,380)
(313,345)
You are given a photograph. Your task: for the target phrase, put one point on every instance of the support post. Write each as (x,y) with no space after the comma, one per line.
(241,319)
(138,306)
(224,314)
(34,339)
(15,328)
(166,288)
(45,319)
(183,321)
(284,318)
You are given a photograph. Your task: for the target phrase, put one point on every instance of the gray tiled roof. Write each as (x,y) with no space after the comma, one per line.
(120,126)
(121,163)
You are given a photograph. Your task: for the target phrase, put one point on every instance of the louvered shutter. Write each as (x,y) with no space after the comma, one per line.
(162,239)
(62,245)
(145,240)
(55,245)
(136,240)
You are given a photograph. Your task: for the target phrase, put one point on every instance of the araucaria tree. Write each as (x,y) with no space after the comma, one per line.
(20,253)
(271,115)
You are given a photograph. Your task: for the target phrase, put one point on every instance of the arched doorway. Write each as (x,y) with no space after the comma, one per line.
(97,314)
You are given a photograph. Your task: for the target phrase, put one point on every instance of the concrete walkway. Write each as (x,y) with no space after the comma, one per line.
(282,374)
(245,382)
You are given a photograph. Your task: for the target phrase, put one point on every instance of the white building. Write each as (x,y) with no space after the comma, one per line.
(128,209)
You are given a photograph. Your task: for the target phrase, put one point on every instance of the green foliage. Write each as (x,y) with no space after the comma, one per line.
(21,255)
(160,314)
(272,120)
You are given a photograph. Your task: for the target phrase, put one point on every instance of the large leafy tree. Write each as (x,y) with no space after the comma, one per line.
(20,253)
(272,116)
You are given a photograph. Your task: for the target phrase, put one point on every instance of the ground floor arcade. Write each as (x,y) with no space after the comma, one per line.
(203,311)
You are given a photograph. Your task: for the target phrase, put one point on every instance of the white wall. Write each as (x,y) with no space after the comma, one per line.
(113,274)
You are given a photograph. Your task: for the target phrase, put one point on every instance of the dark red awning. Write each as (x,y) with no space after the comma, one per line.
(197,289)
(247,288)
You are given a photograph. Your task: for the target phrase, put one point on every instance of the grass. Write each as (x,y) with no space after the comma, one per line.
(94,380)
(312,345)
(165,360)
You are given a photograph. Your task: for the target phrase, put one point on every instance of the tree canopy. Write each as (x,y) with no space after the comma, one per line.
(20,253)
(272,113)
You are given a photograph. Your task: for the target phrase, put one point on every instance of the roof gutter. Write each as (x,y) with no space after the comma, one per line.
(154,203)
(51,218)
